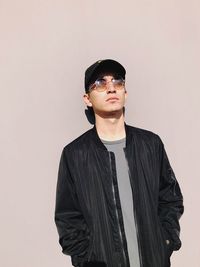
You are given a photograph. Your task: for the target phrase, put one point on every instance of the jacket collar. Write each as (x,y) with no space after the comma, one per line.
(100,145)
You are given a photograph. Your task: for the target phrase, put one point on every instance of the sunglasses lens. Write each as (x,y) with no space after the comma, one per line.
(118,83)
(101,84)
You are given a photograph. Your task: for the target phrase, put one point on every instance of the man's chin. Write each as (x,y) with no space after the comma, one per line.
(111,113)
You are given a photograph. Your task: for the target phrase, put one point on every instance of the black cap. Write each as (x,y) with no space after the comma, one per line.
(103,66)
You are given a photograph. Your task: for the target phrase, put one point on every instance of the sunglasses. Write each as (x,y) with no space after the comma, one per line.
(101,84)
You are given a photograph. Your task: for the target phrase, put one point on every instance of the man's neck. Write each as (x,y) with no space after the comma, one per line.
(110,128)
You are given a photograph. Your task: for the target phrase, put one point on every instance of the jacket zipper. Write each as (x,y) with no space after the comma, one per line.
(136,224)
(114,198)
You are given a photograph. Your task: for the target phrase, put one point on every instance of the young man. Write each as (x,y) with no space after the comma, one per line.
(118,202)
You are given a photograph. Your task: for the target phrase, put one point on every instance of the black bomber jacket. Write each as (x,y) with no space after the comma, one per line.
(88,214)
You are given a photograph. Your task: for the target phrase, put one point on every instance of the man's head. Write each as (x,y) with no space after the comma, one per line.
(105,87)
(106,66)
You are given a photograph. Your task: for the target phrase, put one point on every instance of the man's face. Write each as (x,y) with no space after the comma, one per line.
(107,101)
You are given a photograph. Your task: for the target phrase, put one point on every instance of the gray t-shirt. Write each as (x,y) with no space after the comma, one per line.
(126,198)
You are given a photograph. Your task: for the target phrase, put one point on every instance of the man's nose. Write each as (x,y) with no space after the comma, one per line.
(110,87)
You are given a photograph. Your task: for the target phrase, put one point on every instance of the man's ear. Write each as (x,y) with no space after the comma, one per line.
(86,99)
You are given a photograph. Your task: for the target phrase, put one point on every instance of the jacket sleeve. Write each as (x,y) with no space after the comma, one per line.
(72,228)
(170,206)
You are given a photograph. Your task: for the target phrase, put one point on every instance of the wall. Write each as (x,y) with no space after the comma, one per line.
(45,47)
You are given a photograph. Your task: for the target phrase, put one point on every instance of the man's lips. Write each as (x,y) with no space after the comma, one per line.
(112,98)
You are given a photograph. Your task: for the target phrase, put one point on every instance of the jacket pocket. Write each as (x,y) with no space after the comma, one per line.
(78,260)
